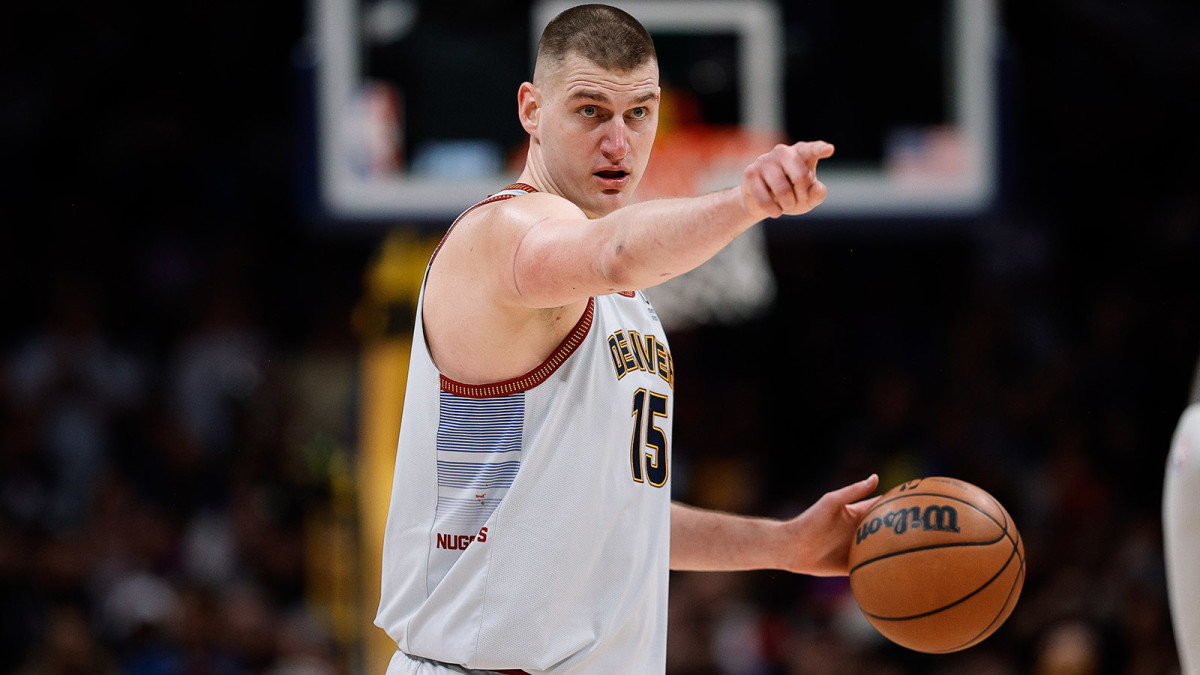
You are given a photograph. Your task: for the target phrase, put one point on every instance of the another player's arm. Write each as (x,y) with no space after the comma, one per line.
(816,542)
(559,256)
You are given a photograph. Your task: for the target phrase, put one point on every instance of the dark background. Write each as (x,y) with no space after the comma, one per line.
(169,303)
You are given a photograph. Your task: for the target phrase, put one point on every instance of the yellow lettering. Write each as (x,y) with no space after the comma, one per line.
(630,363)
(633,351)
(650,353)
(618,360)
(664,363)
(635,341)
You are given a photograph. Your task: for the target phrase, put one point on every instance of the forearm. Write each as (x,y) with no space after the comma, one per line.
(815,542)
(558,256)
(561,257)
(660,239)
(712,541)
(650,242)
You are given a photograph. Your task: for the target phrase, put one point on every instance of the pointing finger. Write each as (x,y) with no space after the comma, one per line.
(815,151)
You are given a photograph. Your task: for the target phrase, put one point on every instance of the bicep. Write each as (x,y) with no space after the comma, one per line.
(551,254)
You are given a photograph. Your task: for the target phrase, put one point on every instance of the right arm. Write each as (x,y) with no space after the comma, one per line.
(558,256)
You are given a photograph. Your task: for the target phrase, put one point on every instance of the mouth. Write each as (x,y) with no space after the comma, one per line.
(612,179)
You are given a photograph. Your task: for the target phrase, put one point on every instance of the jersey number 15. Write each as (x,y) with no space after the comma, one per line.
(647,406)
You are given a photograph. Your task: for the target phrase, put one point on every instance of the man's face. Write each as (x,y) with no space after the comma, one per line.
(595,131)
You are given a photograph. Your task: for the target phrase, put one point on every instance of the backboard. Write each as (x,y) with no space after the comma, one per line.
(416,101)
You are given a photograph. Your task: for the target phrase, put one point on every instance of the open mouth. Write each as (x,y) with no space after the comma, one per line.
(612,175)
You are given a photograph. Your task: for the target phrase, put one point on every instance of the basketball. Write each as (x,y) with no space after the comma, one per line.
(936,565)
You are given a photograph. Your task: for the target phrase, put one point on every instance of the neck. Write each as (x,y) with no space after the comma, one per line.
(535,175)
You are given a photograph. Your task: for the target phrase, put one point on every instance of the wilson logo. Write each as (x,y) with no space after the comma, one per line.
(939,518)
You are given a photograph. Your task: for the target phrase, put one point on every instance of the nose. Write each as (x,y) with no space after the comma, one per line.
(615,143)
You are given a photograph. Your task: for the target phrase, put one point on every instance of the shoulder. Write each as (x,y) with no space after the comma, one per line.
(483,243)
(520,212)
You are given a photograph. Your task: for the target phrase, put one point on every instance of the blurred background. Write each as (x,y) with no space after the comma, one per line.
(203,343)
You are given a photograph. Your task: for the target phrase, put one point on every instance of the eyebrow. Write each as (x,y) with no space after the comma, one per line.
(599,97)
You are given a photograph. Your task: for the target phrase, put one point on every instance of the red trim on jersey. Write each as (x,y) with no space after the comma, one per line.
(520,186)
(534,377)
(494,198)
(628,294)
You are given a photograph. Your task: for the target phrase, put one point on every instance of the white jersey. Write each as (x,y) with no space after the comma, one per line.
(1181,536)
(529,521)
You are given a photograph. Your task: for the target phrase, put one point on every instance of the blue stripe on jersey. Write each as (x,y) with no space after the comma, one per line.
(480,425)
(470,475)
(478,450)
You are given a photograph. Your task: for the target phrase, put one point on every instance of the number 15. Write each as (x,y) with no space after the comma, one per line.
(654,438)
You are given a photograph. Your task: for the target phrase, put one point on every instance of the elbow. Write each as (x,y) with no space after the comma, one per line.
(623,271)
(618,269)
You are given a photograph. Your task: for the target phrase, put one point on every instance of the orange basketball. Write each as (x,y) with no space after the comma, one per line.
(937,565)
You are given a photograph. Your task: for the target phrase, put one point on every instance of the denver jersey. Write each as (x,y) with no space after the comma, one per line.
(529,520)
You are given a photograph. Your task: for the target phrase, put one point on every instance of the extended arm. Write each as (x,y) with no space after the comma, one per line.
(560,256)
(515,276)
(816,542)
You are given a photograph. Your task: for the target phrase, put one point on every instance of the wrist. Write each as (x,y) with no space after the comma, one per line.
(740,209)
(790,551)
(775,543)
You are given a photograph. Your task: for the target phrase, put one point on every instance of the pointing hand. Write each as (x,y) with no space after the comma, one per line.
(784,180)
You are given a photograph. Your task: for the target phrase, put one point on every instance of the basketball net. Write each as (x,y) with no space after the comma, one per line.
(737,284)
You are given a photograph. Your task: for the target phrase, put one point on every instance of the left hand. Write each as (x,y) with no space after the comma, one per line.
(823,532)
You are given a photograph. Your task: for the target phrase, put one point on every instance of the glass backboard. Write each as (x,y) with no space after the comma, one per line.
(416,101)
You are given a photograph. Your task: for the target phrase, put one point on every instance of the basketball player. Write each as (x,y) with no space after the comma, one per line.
(1181,531)
(530,526)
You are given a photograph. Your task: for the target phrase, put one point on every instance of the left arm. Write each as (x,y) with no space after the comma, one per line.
(816,542)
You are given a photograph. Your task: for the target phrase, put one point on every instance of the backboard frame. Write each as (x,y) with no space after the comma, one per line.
(912,190)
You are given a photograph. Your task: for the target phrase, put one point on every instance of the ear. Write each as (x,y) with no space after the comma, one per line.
(529,105)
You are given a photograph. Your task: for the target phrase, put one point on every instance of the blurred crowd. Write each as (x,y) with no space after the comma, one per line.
(178,364)
(153,503)
(157,488)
